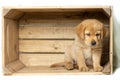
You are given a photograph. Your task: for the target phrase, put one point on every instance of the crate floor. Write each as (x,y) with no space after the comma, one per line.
(47,70)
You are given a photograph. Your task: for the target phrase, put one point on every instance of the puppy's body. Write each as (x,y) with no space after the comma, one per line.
(87,47)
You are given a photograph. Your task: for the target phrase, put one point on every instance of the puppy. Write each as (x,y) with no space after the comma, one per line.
(87,48)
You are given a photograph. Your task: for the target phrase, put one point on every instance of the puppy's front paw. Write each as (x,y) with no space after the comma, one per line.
(69,66)
(98,68)
(83,68)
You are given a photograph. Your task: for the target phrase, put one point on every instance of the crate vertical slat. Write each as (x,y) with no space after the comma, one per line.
(111,42)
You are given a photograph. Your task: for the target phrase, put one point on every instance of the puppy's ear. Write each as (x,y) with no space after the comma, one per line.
(104,33)
(80,30)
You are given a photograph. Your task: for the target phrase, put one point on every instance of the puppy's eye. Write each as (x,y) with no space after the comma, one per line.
(97,34)
(88,34)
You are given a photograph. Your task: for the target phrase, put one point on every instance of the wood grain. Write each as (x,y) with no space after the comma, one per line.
(111,44)
(107,11)
(55,8)
(6,71)
(12,13)
(43,45)
(40,59)
(48,29)
(62,9)
(15,66)
(11,41)
(5,55)
(46,70)
(64,16)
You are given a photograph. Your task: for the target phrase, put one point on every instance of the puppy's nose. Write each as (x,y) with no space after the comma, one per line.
(93,43)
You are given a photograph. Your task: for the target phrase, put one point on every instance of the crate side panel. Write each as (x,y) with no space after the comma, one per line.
(11,41)
(5,55)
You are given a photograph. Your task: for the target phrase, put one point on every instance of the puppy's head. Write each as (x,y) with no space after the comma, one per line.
(91,31)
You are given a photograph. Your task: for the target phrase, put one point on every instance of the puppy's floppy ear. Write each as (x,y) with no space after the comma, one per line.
(104,32)
(80,30)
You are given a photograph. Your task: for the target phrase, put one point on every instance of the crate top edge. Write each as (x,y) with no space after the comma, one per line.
(12,11)
(54,7)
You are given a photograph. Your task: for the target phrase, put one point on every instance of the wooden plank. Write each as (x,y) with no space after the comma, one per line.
(54,7)
(57,8)
(5,55)
(49,29)
(6,71)
(107,11)
(84,7)
(41,59)
(50,45)
(15,66)
(11,41)
(5,11)
(111,63)
(111,43)
(43,45)
(16,13)
(107,68)
(12,13)
(111,34)
(46,70)
(64,16)
(53,15)
(60,9)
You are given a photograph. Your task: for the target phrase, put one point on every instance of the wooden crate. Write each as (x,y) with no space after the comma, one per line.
(35,38)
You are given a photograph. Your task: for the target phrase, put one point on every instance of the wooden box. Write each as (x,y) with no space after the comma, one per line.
(35,38)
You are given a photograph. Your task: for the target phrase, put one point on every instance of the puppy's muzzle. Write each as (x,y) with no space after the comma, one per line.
(93,43)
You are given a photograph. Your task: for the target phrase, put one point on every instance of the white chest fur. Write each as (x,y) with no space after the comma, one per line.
(87,53)
(88,56)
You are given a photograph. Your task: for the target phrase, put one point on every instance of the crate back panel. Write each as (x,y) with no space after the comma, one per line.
(52,32)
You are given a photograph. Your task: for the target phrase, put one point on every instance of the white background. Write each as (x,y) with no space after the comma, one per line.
(116,17)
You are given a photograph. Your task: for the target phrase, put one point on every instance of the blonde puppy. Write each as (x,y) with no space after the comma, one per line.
(87,48)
